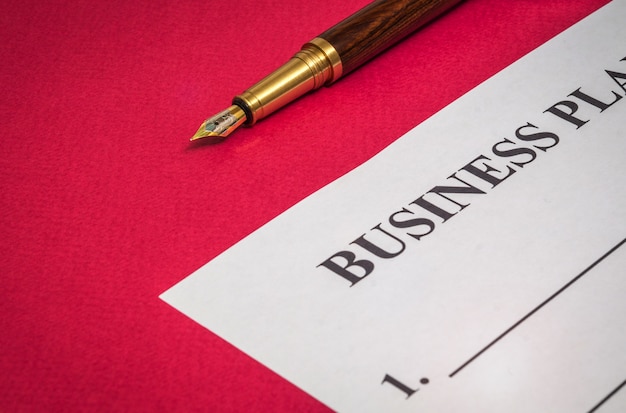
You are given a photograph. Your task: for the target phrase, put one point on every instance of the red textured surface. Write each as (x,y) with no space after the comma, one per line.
(104,204)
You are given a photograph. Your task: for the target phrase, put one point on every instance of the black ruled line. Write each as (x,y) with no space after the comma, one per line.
(539,307)
(597,406)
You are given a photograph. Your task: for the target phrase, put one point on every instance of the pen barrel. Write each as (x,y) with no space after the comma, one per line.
(379,26)
(338,51)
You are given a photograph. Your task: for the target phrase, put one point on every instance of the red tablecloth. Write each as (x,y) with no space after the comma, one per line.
(104,204)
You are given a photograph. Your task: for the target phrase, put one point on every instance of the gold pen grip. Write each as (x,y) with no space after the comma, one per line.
(317,64)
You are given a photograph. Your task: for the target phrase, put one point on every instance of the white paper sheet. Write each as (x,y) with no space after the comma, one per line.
(513,299)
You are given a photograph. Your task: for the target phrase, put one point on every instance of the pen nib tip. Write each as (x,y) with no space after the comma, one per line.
(201,133)
(221,125)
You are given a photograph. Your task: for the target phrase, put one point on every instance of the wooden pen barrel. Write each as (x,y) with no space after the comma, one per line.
(379,26)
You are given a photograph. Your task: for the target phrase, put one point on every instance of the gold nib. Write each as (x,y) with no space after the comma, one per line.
(222,124)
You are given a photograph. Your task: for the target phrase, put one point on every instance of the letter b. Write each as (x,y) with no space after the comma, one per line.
(366,266)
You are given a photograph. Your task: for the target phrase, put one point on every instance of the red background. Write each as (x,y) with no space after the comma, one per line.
(104,204)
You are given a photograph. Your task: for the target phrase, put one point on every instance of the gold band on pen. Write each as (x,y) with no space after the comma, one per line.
(315,65)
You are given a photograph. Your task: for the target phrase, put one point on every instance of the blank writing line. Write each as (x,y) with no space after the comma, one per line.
(559,291)
(607,397)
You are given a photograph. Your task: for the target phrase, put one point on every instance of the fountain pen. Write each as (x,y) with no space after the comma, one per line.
(331,55)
